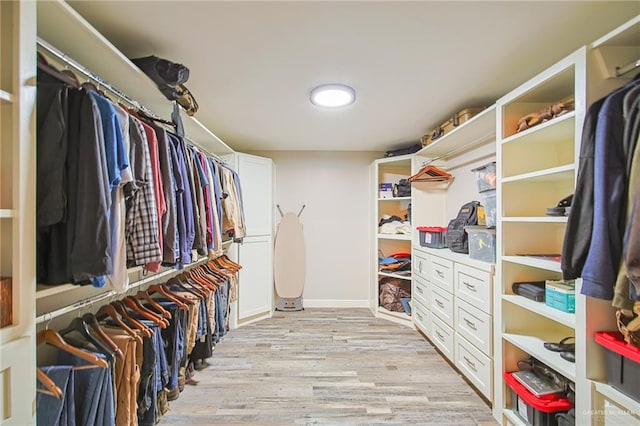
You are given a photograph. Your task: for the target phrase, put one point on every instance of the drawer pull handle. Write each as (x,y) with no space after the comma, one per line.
(469,286)
(470,324)
(440,304)
(440,336)
(470,363)
(419,316)
(440,273)
(420,290)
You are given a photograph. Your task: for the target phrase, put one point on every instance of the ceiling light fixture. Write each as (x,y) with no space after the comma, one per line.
(333,95)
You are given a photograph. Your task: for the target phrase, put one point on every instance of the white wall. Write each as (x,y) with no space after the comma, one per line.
(334,186)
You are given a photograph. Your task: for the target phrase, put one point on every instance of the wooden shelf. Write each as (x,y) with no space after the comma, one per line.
(6,213)
(548,265)
(535,219)
(534,346)
(561,128)
(540,308)
(394,237)
(627,34)
(479,129)
(553,174)
(402,277)
(6,96)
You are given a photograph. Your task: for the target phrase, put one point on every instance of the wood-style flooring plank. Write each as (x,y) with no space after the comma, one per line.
(327,367)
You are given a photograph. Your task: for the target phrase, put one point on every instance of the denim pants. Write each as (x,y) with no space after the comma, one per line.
(93,391)
(51,411)
(154,376)
(173,337)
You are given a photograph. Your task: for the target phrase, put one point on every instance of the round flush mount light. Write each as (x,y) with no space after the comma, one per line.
(333,95)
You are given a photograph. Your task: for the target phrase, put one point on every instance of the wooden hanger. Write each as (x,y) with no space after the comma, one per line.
(122,310)
(135,305)
(110,311)
(80,326)
(92,321)
(44,66)
(153,303)
(52,338)
(182,302)
(198,275)
(430,173)
(192,290)
(51,388)
(225,259)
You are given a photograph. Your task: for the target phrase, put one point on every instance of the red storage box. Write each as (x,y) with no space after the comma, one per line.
(433,236)
(534,410)
(622,362)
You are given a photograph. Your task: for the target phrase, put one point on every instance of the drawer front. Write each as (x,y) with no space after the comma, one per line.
(421,291)
(475,326)
(420,265)
(474,287)
(421,318)
(442,336)
(441,273)
(476,366)
(442,305)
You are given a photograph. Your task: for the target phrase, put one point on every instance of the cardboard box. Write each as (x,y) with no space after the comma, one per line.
(6,302)
(561,295)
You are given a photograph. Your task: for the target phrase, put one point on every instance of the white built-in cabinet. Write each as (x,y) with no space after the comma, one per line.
(388,170)
(255,253)
(536,168)
(17,209)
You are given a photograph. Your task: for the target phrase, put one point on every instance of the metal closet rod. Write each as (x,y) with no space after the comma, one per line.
(103,83)
(620,71)
(90,301)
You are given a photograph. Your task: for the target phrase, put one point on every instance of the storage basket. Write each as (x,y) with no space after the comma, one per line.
(433,236)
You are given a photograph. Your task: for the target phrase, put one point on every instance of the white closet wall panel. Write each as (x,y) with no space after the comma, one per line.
(255,292)
(257,193)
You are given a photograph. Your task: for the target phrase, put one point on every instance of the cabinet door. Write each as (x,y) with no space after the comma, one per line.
(256,179)
(255,292)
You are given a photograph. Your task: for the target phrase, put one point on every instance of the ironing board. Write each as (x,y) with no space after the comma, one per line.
(289,263)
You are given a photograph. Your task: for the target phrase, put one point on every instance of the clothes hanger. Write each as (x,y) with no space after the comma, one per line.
(177,282)
(135,305)
(52,338)
(122,310)
(44,66)
(433,174)
(78,325)
(92,321)
(224,258)
(166,293)
(110,311)
(152,302)
(51,388)
(198,276)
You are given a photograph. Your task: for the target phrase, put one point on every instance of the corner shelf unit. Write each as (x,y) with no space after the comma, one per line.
(389,170)
(536,168)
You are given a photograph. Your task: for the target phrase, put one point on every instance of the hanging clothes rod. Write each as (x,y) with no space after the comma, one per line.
(117,92)
(620,71)
(90,301)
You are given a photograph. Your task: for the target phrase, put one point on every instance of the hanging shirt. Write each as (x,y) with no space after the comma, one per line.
(186,230)
(161,206)
(142,215)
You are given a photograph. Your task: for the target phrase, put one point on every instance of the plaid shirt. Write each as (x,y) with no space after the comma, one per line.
(142,214)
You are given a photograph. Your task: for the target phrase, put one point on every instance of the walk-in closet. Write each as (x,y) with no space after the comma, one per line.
(239,212)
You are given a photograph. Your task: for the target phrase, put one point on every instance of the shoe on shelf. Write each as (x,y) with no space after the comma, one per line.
(562,345)
(562,208)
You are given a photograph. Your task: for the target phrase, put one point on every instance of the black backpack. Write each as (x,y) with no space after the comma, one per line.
(457,239)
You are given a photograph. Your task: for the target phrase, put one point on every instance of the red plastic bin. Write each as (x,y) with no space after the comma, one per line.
(532,409)
(622,363)
(433,236)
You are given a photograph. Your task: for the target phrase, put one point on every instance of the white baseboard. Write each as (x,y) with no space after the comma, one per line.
(334,303)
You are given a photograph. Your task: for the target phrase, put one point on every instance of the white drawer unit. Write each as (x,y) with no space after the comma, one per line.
(442,336)
(421,291)
(442,305)
(475,365)
(474,325)
(473,286)
(441,273)
(420,266)
(421,318)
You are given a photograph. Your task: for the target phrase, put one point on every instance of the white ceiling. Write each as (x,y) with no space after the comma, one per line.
(412,64)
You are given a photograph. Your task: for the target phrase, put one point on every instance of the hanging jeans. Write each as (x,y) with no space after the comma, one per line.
(153,378)
(51,411)
(93,391)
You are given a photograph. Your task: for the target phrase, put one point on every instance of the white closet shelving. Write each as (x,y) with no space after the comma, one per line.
(388,170)
(17,211)
(536,168)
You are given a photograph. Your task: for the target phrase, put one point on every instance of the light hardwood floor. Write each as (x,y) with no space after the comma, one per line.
(327,366)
